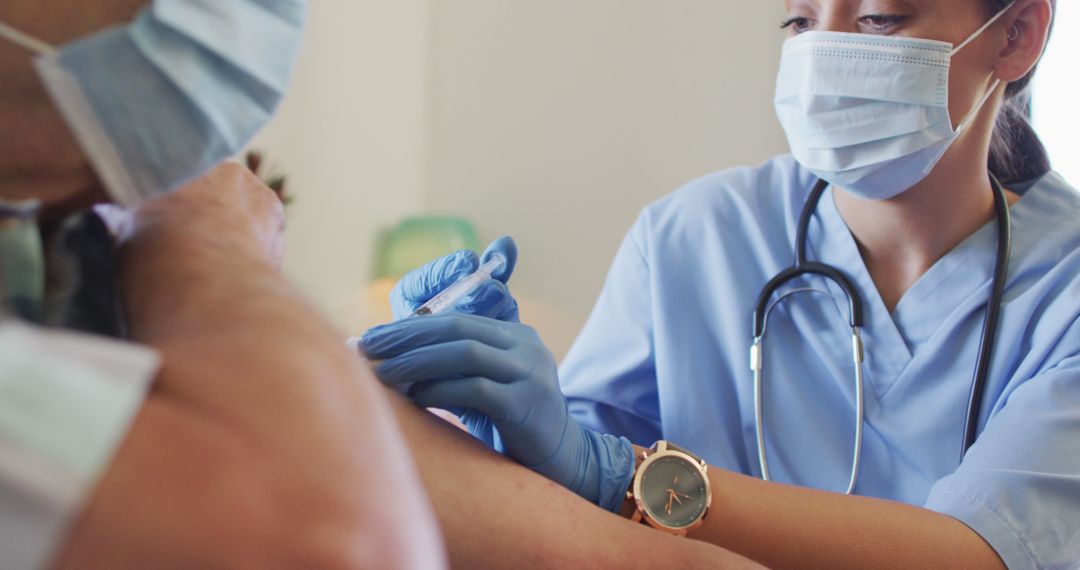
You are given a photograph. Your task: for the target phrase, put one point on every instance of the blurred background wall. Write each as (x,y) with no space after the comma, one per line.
(557,121)
(554,121)
(352,138)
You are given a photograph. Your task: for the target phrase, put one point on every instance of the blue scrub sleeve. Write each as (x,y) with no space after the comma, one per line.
(609,375)
(1019,485)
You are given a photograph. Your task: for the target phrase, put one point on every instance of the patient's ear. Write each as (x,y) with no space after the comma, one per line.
(1028,32)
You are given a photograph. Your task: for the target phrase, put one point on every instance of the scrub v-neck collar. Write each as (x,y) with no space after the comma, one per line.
(960,278)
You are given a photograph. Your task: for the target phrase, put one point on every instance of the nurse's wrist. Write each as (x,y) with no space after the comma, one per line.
(615,465)
(595,466)
(622,464)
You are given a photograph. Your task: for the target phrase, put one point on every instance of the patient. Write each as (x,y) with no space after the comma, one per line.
(263,442)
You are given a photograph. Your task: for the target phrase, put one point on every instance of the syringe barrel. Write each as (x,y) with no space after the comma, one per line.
(462,287)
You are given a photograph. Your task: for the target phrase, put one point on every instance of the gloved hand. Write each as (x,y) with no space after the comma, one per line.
(492,299)
(503,371)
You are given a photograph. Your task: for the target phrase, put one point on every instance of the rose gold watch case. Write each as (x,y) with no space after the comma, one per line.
(641,514)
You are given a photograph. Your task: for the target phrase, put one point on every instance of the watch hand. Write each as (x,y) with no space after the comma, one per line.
(670,498)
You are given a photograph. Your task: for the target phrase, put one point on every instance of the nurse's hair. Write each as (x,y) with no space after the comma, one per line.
(1016,152)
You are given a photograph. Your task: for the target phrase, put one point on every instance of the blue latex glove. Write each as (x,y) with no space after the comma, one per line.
(492,299)
(502,371)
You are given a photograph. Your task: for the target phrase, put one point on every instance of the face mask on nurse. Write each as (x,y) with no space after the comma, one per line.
(870,113)
(160,101)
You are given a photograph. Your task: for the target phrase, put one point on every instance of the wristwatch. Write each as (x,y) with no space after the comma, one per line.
(671,490)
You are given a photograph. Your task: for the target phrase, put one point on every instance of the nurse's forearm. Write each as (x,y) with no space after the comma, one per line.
(783,526)
(497,514)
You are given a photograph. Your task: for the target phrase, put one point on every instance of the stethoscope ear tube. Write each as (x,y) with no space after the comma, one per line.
(761,318)
(757,364)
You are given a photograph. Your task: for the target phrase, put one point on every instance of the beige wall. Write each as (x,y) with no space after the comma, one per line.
(554,121)
(352,137)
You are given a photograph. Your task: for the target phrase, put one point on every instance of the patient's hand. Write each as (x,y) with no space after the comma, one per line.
(228,208)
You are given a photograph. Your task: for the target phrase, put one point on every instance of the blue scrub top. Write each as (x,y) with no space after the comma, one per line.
(665,355)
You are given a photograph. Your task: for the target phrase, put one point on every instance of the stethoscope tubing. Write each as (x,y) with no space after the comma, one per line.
(993,315)
(803,267)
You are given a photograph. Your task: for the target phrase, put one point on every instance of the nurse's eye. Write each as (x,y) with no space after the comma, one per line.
(796,25)
(881,23)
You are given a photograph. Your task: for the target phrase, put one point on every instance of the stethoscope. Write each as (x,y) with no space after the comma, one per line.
(855,317)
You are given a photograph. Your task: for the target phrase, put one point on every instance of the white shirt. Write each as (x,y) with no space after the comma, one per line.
(66,402)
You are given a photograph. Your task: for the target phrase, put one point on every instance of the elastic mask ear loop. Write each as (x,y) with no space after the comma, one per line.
(997,83)
(984,27)
(975,112)
(25,40)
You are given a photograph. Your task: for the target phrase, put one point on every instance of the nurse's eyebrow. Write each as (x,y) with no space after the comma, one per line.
(909,5)
(791,4)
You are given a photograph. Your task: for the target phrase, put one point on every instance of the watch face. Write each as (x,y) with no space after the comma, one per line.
(674,492)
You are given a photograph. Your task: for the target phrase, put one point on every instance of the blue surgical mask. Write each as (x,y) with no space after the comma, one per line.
(867,113)
(160,101)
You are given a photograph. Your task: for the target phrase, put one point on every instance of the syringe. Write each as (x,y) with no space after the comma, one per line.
(446,300)
(462,287)
(451,295)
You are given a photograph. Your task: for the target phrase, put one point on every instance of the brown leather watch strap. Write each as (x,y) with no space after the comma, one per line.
(674,447)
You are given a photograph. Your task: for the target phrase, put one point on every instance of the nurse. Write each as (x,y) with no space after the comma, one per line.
(914,132)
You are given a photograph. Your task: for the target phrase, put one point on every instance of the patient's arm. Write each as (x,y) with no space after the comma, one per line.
(495,513)
(259,447)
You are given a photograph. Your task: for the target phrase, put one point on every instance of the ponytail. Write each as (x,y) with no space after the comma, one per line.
(1016,152)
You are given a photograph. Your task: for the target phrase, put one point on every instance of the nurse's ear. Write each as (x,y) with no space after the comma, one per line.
(1028,31)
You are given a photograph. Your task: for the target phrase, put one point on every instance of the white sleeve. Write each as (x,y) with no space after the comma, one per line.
(66,402)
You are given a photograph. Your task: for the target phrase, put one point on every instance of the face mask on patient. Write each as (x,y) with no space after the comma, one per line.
(187,84)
